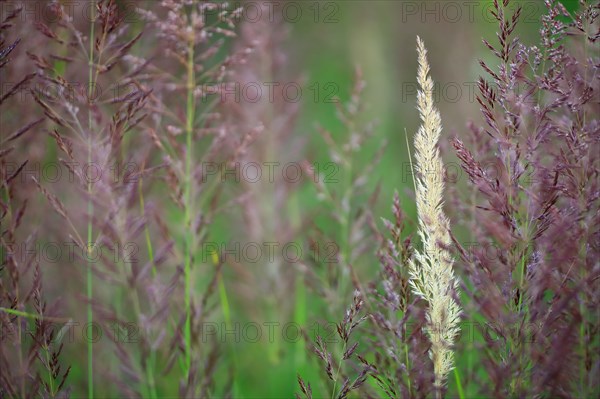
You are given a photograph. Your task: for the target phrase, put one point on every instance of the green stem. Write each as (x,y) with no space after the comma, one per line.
(90,207)
(227,315)
(300,312)
(407,368)
(50,377)
(300,319)
(189,128)
(15,312)
(151,363)
(150,374)
(146,229)
(337,373)
(459,387)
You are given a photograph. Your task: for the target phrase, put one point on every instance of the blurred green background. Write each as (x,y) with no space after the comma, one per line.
(327,40)
(380,38)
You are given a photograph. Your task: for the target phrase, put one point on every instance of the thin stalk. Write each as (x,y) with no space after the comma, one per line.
(582,310)
(300,318)
(470,349)
(49,369)
(300,312)
(344,246)
(407,368)
(412,172)
(337,373)
(50,377)
(459,387)
(227,315)
(583,331)
(346,228)
(148,366)
(19,313)
(582,340)
(20,333)
(146,229)
(189,128)
(135,299)
(90,206)
(150,374)
(471,344)
(152,360)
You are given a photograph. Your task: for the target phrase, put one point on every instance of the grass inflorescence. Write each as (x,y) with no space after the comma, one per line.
(175,223)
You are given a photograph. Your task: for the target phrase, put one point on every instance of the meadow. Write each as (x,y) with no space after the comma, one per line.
(311,199)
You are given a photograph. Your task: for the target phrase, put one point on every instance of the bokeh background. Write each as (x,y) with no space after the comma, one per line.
(320,45)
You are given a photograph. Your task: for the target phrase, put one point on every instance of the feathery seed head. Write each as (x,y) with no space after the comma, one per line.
(432,277)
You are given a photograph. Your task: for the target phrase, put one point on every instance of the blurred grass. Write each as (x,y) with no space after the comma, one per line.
(371,35)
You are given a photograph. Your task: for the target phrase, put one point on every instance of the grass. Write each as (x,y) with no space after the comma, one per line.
(190,236)
(432,277)
(365,328)
(90,206)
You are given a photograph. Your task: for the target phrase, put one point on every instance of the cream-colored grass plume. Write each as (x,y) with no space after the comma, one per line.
(431,274)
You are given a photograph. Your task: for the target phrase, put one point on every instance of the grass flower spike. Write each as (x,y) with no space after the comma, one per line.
(432,277)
